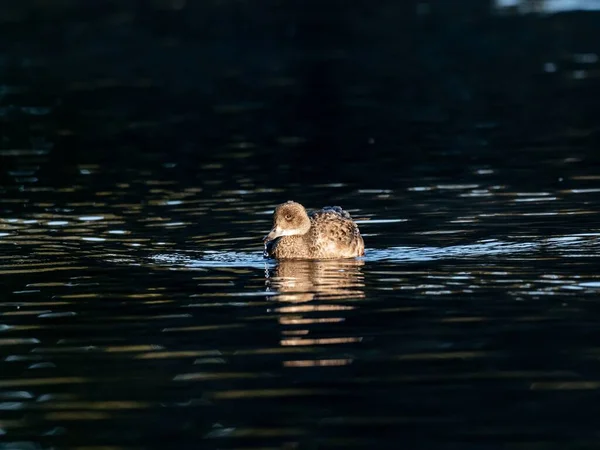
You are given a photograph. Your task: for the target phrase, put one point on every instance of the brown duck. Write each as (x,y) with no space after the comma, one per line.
(329,233)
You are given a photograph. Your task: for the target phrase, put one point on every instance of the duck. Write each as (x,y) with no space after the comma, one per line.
(329,233)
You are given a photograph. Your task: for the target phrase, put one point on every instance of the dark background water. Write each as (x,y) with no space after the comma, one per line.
(143,147)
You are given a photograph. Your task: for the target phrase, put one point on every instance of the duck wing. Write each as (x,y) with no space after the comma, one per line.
(331,212)
(335,232)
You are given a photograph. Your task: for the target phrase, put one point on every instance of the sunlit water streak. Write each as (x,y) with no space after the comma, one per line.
(589,242)
(213,259)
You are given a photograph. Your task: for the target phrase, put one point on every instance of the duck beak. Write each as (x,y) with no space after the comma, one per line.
(273,234)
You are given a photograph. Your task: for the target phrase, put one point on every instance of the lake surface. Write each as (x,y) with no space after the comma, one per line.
(141,311)
(137,310)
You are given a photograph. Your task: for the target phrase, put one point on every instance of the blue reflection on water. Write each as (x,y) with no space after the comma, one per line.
(552,5)
(569,245)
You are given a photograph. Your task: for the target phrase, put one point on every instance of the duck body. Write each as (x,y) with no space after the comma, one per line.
(329,233)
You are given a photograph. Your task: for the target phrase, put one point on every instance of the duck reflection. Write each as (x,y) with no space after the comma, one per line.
(306,280)
(316,297)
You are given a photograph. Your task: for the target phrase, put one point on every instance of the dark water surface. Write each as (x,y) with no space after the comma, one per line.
(144,310)
(137,311)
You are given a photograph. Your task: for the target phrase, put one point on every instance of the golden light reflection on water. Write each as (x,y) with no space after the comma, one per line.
(315,287)
(303,281)
(318,362)
(320,341)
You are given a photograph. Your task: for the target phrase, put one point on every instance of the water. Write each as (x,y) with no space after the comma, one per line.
(142,311)
(137,182)
(549,6)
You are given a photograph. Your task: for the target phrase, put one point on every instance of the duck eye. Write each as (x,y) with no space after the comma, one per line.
(288,217)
